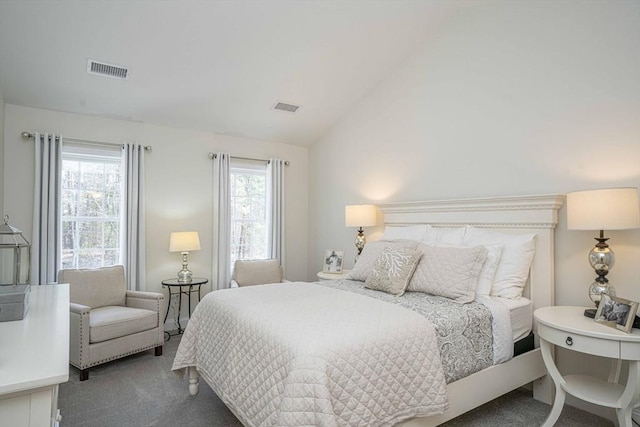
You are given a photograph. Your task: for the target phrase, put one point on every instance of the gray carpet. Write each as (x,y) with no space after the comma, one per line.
(141,390)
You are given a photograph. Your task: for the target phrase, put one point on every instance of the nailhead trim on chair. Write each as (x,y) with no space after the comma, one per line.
(116,357)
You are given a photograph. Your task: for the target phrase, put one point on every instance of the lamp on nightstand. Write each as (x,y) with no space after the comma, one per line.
(360,216)
(607,209)
(184,241)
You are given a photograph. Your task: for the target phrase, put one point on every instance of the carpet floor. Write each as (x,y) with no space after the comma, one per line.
(141,390)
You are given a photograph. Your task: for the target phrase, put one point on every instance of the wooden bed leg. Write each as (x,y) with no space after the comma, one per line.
(159,350)
(84,374)
(194,380)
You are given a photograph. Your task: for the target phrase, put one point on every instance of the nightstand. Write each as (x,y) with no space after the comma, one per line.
(181,288)
(568,328)
(332,276)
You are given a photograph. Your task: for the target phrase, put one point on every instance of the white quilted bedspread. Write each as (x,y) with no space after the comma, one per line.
(299,354)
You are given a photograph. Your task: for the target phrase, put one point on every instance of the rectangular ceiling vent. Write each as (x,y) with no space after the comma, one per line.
(283,106)
(107,70)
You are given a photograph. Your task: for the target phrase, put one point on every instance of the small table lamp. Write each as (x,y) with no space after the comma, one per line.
(360,216)
(184,241)
(608,209)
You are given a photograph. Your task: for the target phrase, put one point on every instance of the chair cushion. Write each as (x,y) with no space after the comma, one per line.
(107,323)
(98,287)
(257,272)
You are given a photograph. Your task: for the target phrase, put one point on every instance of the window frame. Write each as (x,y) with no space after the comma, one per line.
(242,167)
(102,156)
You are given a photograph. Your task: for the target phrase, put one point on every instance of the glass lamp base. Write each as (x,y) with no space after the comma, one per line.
(185,276)
(596,290)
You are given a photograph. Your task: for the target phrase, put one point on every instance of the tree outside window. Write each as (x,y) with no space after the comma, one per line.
(248,214)
(91,205)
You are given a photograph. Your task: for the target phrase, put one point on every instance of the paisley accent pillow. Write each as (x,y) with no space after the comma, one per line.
(393,270)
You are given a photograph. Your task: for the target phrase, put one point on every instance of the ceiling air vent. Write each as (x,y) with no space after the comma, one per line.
(283,106)
(107,70)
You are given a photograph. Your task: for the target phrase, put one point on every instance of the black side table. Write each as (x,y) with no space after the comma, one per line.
(179,288)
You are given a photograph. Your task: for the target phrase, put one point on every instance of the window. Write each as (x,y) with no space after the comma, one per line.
(248,212)
(91,202)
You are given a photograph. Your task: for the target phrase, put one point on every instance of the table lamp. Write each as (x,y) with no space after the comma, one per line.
(607,209)
(360,216)
(184,241)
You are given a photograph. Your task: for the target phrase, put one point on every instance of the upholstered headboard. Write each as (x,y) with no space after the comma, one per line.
(517,214)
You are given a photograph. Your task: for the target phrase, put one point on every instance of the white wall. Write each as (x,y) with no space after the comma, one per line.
(508,98)
(178,183)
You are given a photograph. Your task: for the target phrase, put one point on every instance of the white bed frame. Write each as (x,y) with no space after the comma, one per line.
(520,214)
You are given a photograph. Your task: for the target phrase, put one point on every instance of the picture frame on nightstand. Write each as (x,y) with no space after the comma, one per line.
(333,261)
(617,312)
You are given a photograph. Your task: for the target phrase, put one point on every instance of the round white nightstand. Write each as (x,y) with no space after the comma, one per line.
(332,276)
(568,328)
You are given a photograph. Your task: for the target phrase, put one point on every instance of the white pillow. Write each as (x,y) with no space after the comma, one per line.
(412,232)
(447,271)
(369,256)
(447,235)
(489,268)
(517,255)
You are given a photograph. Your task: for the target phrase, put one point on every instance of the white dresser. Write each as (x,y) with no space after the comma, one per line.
(34,359)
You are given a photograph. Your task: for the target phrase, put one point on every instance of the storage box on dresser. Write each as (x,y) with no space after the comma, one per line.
(14,302)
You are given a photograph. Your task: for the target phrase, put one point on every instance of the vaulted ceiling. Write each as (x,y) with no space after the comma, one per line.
(216,66)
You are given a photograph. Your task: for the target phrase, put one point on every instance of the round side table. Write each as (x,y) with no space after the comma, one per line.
(566,327)
(177,288)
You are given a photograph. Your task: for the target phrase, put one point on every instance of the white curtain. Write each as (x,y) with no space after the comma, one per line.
(221,221)
(45,248)
(275,219)
(134,228)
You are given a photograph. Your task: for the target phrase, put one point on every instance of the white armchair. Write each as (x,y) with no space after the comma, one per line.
(108,321)
(256,272)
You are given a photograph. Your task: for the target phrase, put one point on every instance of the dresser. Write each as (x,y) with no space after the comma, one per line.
(34,359)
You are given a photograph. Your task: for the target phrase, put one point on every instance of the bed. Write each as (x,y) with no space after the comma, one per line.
(297,370)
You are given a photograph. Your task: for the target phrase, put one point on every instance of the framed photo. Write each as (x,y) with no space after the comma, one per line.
(333,261)
(617,312)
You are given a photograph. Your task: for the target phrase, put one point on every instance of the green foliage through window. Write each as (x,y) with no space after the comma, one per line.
(248,214)
(91,210)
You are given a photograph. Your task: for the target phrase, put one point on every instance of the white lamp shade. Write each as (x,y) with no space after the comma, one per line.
(360,216)
(184,241)
(608,209)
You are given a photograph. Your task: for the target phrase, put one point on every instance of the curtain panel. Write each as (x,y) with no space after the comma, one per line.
(221,271)
(134,211)
(275,215)
(45,247)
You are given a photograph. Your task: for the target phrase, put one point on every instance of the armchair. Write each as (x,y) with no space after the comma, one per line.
(107,321)
(256,272)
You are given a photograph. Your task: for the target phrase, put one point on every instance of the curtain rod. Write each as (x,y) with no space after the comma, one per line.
(214,155)
(29,135)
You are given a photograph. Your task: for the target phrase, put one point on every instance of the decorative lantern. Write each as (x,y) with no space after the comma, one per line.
(15,255)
